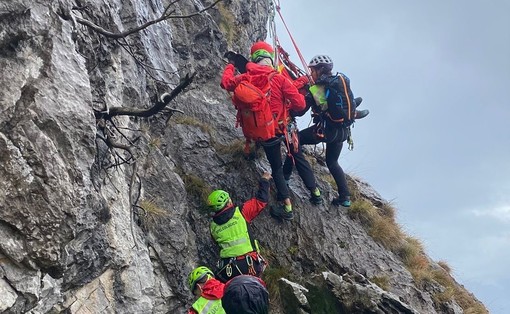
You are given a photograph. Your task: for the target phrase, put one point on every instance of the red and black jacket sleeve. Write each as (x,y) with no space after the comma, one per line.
(229,80)
(254,206)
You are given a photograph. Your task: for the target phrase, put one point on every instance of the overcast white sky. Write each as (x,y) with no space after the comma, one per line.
(436,77)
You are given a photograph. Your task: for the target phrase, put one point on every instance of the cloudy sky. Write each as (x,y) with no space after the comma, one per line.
(436,77)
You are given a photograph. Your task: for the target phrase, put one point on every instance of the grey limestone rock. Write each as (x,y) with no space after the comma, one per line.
(79,233)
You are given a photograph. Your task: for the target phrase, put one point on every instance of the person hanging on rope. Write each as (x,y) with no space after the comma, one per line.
(333,112)
(281,96)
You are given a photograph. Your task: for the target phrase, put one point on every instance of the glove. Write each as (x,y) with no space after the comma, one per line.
(301,82)
(238,60)
(230,56)
(304,90)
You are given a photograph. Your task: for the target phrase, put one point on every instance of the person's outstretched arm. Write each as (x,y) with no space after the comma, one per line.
(228,79)
(291,93)
(254,206)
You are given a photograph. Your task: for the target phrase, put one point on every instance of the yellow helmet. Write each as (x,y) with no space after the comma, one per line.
(217,200)
(197,274)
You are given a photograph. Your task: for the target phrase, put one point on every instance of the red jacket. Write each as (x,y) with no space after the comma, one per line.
(212,290)
(284,95)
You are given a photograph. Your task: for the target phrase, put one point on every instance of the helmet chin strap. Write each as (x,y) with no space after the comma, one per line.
(199,287)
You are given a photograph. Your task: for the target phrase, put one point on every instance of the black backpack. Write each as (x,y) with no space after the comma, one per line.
(245,295)
(341,107)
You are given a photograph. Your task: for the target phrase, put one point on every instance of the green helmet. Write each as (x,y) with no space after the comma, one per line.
(261,54)
(217,200)
(197,274)
(261,50)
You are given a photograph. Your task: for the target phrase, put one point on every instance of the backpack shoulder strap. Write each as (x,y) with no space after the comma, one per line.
(349,105)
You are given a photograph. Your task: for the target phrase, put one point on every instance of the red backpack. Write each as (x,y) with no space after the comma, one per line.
(251,98)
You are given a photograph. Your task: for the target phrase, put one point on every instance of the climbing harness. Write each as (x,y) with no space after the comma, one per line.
(230,266)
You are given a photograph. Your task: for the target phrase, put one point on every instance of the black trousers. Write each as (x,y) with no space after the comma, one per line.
(334,139)
(273,152)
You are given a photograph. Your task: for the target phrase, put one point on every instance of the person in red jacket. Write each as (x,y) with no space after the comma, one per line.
(284,97)
(202,283)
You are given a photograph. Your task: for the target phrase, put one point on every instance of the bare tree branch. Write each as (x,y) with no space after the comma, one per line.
(164,16)
(165,12)
(134,175)
(160,105)
(128,47)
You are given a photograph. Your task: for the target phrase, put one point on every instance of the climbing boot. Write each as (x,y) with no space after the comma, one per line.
(358,101)
(344,202)
(281,212)
(360,114)
(315,197)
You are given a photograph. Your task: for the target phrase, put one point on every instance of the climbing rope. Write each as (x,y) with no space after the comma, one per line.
(276,4)
(281,56)
(272,33)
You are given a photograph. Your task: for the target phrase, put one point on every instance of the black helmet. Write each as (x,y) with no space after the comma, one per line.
(245,295)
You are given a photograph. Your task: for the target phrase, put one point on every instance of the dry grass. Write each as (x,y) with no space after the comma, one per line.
(293,250)
(154,142)
(191,121)
(453,291)
(381,226)
(444,297)
(329,179)
(227,23)
(467,302)
(382,281)
(239,160)
(152,212)
(235,147)
(236,150)
(271,276)
(387,210)
(363,211)
(444,265)
(197,189)
(385,231)
(412,255)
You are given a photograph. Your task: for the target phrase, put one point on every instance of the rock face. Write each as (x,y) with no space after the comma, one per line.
(87,227)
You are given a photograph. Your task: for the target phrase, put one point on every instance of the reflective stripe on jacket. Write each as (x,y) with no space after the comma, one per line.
(206,306)
(232,236)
